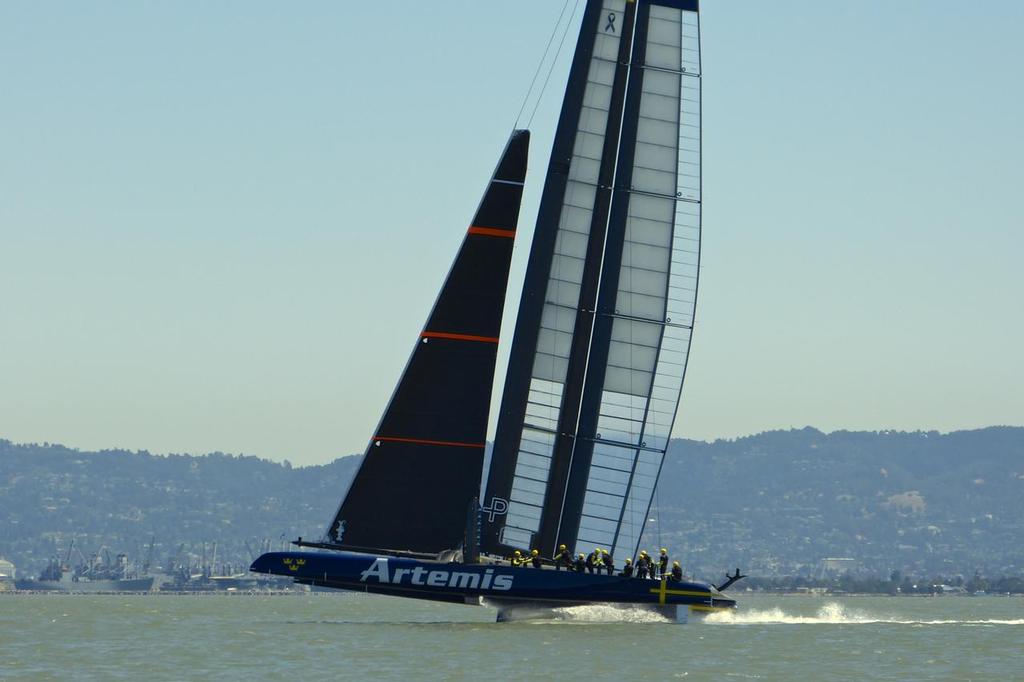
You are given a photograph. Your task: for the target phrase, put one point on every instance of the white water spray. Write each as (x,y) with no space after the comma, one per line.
(610,613)
(832,614)
(590,613)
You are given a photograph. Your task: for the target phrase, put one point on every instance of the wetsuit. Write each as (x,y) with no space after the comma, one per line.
(563,560)
(536,561)
(677,574)
(663,564)
(580,565)
(627,571)
(641,568)
(609,563)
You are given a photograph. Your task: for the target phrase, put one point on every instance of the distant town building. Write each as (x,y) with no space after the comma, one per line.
(833,566)
(7,575)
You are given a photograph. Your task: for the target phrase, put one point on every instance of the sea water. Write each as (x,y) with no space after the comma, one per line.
(354,636)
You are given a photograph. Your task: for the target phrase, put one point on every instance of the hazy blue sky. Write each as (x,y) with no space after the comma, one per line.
(222,224)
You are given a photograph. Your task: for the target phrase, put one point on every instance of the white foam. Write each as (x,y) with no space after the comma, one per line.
(590,613)
(610,613)
(832,614)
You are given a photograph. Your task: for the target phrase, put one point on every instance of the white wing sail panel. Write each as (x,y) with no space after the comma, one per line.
(607,311)
(638,362)
(564,282)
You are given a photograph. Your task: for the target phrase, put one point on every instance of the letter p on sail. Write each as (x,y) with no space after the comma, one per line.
(498,507)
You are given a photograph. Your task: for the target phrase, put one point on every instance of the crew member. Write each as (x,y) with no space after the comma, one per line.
(627,569)
(608,561)
(663,563)
(641,564)
(594,562)
(581,564)
(563,559)
(535,559)
(677,573)
(517,559)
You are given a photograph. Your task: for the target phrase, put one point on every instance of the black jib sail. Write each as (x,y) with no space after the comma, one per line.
(603,332)
(423,466)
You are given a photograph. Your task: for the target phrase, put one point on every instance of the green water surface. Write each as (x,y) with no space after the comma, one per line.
(352,636)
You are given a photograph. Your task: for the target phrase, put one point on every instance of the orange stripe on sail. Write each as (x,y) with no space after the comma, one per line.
(492,232)
(420,441)
(458,337)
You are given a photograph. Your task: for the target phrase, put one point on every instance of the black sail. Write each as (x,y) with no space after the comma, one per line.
(423,466)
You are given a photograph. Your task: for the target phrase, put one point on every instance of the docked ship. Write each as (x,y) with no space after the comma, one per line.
(596,368)
(98,573)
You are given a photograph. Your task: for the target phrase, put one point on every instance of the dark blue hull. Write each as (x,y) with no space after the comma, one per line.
(468,583)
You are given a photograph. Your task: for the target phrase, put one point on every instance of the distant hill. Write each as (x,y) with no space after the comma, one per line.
(922,503)
(776,503)
(120,500)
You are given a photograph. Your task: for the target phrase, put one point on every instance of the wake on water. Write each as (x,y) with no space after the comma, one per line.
(610,613)
(591,613)
(832,614)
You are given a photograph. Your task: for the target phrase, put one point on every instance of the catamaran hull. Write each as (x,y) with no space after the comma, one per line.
(470,583)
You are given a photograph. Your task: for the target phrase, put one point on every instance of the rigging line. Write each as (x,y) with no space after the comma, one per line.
(540,65)
(657,507)
(554,61)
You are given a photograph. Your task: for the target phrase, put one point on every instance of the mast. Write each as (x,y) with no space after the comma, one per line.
(424,462)
(604,322)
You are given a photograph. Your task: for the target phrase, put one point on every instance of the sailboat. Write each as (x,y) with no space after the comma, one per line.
(596,366)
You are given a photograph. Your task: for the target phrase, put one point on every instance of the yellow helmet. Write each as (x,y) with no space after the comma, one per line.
(581,555)
(675,563)
(643,552)
(664,551)
(604,551)
(534,553)
(517,552)
(597,549)
(628,560)
(562,547)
